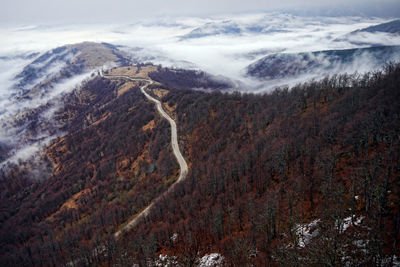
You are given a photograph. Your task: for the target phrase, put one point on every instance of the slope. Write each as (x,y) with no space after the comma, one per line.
(321,154)
(262,167)
(321,63)
(388,27)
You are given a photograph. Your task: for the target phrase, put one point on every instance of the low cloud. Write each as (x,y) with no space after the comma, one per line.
(27,125)
(225,52)
(376,38)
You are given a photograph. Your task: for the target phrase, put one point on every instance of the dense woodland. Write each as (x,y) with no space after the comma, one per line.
(260,166)
(107,169)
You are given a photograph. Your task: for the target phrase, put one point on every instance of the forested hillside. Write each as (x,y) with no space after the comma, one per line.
(111,165)
(301,176)
(262,166)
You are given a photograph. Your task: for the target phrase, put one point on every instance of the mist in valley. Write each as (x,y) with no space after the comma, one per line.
(223,45)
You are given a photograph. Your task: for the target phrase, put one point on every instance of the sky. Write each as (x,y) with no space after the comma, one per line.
(95,11)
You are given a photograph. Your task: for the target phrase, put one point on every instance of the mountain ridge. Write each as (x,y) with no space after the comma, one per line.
(388,27)
(306,175)
(285,65)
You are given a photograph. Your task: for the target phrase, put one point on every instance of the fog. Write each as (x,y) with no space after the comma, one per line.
(221,45)
(27,123)
(27,137)
(162,41)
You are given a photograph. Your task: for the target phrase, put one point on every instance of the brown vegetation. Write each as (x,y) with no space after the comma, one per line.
(138,71)
(261,165)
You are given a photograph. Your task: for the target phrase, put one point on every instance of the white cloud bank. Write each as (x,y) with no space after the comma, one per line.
(223,54)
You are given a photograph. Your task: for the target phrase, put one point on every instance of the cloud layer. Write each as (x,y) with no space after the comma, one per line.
(221,45)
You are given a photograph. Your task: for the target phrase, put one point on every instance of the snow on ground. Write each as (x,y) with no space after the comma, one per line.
(164,261)
(174,237)
(387,261)
(347,222)
(211,260)
(305,232)
(208,260)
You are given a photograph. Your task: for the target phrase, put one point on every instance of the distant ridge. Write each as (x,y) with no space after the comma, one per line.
(283,65)
(389,27)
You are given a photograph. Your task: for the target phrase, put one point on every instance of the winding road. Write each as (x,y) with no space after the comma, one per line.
(175,147)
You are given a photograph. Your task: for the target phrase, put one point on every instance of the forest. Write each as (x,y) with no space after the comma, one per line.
(321,156)
(105,170)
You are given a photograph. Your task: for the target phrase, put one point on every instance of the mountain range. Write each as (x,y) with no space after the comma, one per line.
(306,175)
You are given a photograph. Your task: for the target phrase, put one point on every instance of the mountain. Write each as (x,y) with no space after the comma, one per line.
(27,118)
(305,176)
(282,177)
(26,115)
(363,37)
(389,27)
(213,29)
(67,61)
(234,28)
(320,63)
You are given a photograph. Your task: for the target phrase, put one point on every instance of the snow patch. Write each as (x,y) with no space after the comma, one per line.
(174,237)
(211,260)
(347,222)
(208,260)
(305,232)
(395,262)
(164,261)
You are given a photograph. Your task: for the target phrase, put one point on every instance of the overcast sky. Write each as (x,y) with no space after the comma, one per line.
(94,11)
